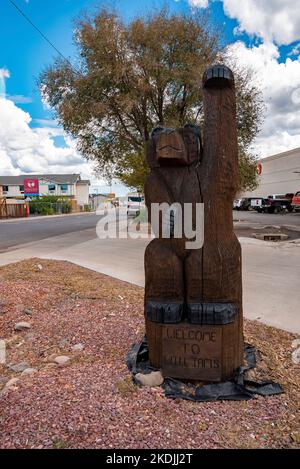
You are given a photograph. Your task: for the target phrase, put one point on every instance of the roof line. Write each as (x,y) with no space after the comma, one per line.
(278,155)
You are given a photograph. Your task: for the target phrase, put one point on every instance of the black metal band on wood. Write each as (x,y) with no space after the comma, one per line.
(164,313)
(213,314)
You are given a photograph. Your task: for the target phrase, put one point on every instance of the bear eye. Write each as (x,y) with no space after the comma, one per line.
(194,128)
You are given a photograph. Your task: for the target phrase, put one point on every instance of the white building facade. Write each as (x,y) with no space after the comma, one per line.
(63,185)
(278,174)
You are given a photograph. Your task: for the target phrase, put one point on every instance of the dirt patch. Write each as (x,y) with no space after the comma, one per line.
(91,401)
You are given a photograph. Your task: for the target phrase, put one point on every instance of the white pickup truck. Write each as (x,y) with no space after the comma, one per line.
(135,203)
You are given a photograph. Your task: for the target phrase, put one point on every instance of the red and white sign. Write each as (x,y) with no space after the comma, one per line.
(259,169)
(31,187)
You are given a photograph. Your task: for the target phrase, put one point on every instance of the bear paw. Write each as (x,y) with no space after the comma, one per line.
(218,76)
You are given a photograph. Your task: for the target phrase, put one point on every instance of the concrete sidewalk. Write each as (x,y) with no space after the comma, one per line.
(271,271)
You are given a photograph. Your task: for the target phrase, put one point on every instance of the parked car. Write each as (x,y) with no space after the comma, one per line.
(296,202)
(135,203)
(242,204)
(237,204)
(274,203)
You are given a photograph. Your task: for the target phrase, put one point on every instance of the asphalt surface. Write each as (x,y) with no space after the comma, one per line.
(267,218)
(23,231)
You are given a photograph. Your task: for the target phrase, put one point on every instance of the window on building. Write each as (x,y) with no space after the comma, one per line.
(5,189)
(21,188)
(51,188)
(64,187)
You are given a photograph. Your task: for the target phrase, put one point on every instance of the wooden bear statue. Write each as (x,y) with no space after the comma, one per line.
(193,297)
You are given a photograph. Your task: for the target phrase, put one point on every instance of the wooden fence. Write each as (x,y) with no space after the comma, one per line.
(12,210)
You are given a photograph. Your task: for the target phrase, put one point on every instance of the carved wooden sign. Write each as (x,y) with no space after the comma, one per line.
(196,352)
(193,297)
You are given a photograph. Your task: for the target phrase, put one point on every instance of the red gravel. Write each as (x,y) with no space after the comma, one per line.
(91,402)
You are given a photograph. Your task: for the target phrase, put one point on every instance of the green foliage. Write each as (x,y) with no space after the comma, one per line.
(50,205)
(137,75)
(59,444)
(52,199)
(248,172)
(125,387)
(132,170)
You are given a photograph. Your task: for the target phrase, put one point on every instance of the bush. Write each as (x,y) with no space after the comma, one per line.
(50,205)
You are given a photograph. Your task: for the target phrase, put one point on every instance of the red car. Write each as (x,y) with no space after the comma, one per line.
(296,202)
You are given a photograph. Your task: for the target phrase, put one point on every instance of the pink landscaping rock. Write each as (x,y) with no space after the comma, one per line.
(11,383)
(83,405)
(29,372)
(62,360)
(77,348)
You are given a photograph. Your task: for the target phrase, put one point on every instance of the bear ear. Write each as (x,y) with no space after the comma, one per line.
(157,130)
(194,128)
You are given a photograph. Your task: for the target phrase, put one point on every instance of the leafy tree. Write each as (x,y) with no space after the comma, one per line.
(134,76)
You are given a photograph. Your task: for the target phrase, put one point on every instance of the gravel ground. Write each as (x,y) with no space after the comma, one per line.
(91,402)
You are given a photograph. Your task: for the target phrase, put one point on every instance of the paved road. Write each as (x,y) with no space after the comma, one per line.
(19,232)
(267,218)
(16,232)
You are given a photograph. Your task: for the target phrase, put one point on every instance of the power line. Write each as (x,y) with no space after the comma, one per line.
(40,32)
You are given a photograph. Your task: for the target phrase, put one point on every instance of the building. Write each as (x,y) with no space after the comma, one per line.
(278,174)
(103,201)
(67,185)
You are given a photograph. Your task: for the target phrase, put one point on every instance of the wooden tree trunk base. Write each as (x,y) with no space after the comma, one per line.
(202,353)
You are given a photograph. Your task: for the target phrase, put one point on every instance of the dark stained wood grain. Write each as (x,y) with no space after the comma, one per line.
(185,288)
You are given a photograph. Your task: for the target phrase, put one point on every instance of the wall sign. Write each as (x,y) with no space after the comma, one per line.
(259,169)
(31,187)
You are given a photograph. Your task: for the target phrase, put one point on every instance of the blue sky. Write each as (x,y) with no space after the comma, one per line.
(27,53)
(265,37)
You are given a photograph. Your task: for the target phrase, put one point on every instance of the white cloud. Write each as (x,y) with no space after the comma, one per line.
(280,83)
(295,50)
(27,150)
(276,22)
(20,99)
(46,122)
(198,3)
(272,20)
(4,73)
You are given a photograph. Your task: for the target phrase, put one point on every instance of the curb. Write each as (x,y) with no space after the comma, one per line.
(43,217)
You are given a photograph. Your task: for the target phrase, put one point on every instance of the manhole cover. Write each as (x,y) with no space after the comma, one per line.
(271,236)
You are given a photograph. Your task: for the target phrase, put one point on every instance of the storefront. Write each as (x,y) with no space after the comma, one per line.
(278,174)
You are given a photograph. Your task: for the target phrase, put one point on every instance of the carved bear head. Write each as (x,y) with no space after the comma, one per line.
(175,147)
